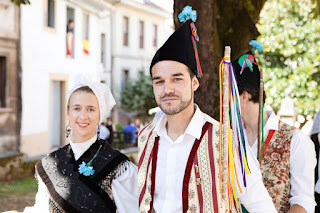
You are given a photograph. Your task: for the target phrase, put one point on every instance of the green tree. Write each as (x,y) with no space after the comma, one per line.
(290,33)
(233,22)
(138,96)
(19,2)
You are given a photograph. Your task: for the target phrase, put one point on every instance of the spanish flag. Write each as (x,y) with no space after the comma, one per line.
(85,43)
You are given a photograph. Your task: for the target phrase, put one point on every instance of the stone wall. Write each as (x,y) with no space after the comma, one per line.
(14,167)
(10,114)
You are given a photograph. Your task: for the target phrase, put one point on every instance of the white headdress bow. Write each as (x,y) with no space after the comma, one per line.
(102,92)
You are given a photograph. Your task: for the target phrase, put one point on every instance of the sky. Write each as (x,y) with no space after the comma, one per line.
(166,4)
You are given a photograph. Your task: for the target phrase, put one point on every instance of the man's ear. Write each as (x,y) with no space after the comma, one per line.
(195,83)
(246,96)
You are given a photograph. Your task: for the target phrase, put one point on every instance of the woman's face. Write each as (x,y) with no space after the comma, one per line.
(83,115)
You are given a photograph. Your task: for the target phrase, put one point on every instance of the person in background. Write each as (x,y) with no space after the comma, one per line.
(104,132)
(139,127)
(111,129)
(288,161)
(315,137)
(70,38)
(130,130)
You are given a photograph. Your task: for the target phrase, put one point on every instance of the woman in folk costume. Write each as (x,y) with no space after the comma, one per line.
(179,154)
(315,137)
(287,158)
(87,175)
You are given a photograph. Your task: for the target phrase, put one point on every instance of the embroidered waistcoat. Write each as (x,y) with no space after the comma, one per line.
(70,191)
(275,166)
(200,191)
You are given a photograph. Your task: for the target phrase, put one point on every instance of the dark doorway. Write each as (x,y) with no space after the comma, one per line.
(3,71)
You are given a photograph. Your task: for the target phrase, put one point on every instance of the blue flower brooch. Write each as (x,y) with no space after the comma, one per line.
(86,168)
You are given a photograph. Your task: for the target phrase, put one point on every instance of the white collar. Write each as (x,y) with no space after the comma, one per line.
(80,148)
(273,121)
(194,128)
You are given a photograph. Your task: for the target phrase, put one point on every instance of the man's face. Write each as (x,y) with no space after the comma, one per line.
(172,86)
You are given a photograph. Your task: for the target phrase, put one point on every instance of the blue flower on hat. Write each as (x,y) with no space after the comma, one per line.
(85,169)
(256,45)
(187,13)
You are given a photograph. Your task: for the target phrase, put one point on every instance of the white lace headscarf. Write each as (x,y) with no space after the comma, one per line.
(316,124)
(102,92)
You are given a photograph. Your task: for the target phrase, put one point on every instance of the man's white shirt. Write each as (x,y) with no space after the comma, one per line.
(302,164)
(171,165)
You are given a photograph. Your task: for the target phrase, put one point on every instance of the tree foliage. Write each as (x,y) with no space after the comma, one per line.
(19,2)
(290,33)
(138,96)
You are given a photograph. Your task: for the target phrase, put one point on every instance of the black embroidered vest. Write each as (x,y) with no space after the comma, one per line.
(73,192)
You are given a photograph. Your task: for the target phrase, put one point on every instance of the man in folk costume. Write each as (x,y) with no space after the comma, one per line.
(287,159)
(179,155)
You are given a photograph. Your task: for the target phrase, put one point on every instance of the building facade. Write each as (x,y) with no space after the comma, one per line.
(59,39)
(112,40)
(138,30)
(10,98)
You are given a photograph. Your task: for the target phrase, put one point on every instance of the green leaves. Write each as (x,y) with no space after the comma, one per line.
(138,96)
(290,33)
(19,2)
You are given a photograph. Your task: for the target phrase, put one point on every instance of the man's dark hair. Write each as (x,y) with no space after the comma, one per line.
(129,121)
(254,94)
(191,73)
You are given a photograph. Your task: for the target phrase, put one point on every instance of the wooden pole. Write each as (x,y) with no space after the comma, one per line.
(260,114)
(225,128)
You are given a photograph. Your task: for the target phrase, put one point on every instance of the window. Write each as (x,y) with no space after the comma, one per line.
(125,31)
(70,32)
(125,78)
(103,49)
(141,33)
(49,7)
(85,33)
(3,71)
(155,35)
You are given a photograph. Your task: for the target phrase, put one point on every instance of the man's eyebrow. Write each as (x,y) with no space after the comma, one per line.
(155,78)
(173,75)
(177,74)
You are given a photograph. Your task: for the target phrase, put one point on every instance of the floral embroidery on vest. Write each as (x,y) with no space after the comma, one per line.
(275,167)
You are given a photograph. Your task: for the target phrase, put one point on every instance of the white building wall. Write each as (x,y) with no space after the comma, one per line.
(44,56)
(44,60)
(132,57)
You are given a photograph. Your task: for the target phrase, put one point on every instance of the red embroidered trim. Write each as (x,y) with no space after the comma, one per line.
(187,173)
(213,174)
(144,129)
(267,141)
(144,150)
(145,184)
(197,175)
(153,170)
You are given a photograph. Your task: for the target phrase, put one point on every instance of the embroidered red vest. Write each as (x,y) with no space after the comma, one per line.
(200,191)
(275,166)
